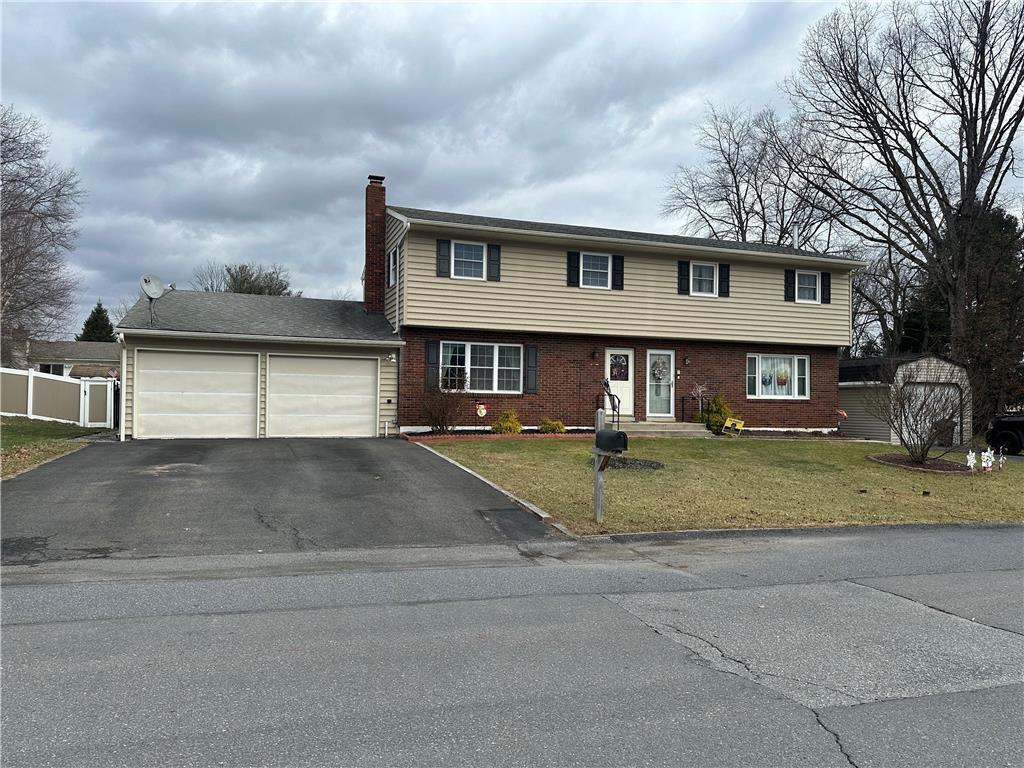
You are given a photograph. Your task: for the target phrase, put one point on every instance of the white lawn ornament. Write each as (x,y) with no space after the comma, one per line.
(987,458)
(1002,458)
(972,460)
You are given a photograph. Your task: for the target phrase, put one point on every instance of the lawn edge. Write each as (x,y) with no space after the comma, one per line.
(530,507)
(68,452)
(852,528)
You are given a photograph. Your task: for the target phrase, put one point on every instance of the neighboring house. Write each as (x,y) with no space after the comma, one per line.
(79,359)
(531,316)
(863,382)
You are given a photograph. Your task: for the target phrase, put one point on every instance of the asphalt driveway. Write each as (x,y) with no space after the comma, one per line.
(206,497)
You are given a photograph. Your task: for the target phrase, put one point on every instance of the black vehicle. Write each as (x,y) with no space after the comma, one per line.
(1007,433)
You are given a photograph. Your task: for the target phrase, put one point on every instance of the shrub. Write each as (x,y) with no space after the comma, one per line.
(551,426)
(715,413)
(507,424)
(442,408)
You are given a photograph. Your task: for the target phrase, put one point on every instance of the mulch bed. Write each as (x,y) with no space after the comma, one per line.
(932,465)
(623,462)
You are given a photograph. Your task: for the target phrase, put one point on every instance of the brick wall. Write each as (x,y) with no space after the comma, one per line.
(375,267)
(570,370)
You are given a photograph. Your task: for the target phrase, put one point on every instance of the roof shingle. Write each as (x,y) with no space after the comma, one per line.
(254,315)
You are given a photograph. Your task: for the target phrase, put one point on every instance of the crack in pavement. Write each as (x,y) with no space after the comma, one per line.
(275,524)
(835,736)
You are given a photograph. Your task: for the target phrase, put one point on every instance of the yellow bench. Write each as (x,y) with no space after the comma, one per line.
(732,427)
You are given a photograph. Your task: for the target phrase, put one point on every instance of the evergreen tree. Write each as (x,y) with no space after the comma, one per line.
(97,326)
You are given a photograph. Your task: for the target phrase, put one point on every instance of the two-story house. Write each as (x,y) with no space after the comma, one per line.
(522,315)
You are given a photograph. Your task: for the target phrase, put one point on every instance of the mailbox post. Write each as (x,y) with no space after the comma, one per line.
(607,443)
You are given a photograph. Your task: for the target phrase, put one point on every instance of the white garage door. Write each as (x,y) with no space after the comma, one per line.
(321,397)
(196,394)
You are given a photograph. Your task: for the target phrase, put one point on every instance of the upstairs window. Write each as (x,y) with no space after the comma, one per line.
(703,279)
(595,270)
(469,261)
(807,284)
(392,268)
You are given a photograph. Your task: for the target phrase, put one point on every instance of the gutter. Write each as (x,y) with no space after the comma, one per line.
(742,253)
(153,332)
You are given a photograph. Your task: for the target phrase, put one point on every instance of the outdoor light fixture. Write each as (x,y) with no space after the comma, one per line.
(686,360)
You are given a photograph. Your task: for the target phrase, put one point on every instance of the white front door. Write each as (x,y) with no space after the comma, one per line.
(618,369)
(661,379)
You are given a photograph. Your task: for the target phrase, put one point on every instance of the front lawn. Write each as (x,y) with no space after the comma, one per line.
(25,443)
(733,483)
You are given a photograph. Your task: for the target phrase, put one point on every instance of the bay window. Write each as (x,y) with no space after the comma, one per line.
(481,367)
(778,376)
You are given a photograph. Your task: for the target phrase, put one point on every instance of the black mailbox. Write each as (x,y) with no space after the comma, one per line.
(611,440)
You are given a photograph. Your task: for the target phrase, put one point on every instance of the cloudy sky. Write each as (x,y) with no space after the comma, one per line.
(242,132)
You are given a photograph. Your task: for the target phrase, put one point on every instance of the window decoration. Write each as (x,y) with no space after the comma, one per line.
(618,367)
(659,370)
(481,367)
(596,270)
(778,376)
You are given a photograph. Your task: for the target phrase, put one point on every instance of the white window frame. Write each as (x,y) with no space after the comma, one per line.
(494,366)
(817,287)
(793,358)
(608,260)
(393,267)
(693,278)
(451,267)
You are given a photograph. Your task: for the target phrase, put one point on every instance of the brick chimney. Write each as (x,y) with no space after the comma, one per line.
(375,268)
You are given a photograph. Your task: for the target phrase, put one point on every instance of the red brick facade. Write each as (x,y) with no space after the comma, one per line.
(570,369)
(375,268)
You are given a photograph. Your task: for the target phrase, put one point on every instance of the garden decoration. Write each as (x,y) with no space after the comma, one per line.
(987,459)
(698,393)
(972,460)
(1002,458)
(782,377)
(659,371)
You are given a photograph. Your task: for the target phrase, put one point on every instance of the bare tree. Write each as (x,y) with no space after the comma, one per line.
(908,114)
(921,412)
(255,278)
(124,306)
(882,296)
(39,204)
(744,189)
(209,276)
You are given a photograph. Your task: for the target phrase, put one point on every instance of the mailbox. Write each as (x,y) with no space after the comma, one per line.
(610,441)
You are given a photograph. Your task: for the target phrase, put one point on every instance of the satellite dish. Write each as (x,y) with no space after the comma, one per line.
(153,286)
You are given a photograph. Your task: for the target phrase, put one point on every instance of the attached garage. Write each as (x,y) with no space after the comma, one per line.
(196,394)
(321,396)
(221,365)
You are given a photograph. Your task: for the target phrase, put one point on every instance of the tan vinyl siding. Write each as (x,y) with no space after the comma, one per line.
(127,379)
(388,371)
(533,296)
(393,295)
(14,393)
(861,422)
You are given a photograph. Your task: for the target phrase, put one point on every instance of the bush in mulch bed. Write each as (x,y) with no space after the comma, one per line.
(932,465)
(624,462)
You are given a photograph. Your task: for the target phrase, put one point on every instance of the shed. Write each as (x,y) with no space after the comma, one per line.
(861,379)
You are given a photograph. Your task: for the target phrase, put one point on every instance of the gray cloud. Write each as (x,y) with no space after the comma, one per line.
(241,132)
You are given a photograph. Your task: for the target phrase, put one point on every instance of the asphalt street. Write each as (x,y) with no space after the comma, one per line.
(871,647)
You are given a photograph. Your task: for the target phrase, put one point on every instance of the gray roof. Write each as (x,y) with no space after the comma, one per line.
(571,230)
(83,351)
(251,315)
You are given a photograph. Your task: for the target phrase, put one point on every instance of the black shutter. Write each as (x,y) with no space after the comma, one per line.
(494,263)
(572,269)
(790,294)
(444,263)
(432,369)
(826,287)
(683,278)
(723,279)
(530,378)
(618,272)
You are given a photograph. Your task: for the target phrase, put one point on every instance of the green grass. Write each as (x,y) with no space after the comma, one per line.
(26,443)
(739,483)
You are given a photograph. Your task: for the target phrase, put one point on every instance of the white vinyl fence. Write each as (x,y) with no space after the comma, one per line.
(86,402)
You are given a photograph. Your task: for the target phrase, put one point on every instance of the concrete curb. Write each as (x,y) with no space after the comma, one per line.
(533,509)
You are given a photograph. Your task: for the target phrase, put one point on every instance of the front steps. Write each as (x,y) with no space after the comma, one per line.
(663,429)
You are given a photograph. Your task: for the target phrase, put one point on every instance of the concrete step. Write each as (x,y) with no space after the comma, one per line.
(664,429)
